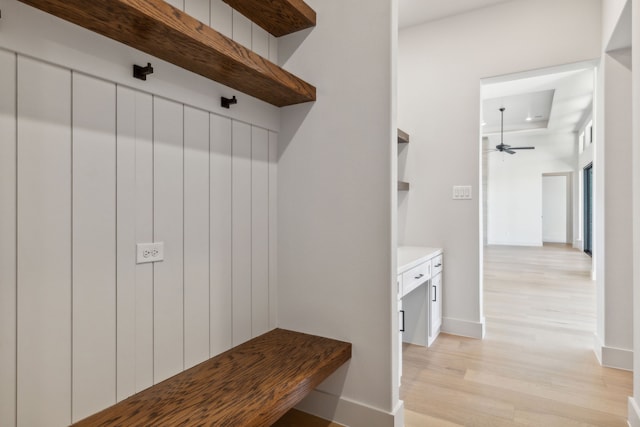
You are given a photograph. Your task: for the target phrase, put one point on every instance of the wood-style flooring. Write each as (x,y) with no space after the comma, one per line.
(295,418)
(536,365)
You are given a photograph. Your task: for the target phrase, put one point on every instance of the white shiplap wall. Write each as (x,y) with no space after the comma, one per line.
(89,168)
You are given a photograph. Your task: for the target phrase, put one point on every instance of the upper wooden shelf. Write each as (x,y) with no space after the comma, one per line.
(161,30)
(278,17)
(403,137)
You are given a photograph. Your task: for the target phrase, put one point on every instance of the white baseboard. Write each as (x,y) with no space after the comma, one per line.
(510,243)
(463,328)
(612,357)
(633,413)
(350,413)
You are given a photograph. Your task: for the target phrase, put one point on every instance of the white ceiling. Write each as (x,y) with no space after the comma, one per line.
(413,12)
(560,98)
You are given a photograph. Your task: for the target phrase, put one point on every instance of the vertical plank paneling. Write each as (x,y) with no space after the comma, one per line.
(221,17)
(44,244)
(259,231)
(241,29)
(199,9)
(241,251)
(273,49)
(259,40)
(126,241)
(221,240)
(135,224)
(273,229)
(94,245)
(168,228)
(7,239)
(196,236)
(144,233)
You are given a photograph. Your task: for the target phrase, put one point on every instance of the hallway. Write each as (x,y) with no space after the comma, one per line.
(536,365)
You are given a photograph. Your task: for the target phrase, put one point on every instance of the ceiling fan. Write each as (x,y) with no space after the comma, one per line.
(502,147)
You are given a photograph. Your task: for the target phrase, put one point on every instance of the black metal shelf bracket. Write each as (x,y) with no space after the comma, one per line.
(142,72)
(227,102)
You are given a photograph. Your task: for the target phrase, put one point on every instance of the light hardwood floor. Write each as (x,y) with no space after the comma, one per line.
(536,365)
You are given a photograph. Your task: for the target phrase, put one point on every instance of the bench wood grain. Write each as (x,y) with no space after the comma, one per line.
(253,384)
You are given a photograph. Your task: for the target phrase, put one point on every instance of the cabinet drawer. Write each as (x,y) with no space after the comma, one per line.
(415,277)
(437,265)
(399,282)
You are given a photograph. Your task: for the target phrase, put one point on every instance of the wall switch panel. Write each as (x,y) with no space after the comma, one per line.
(462,192)
(149,252)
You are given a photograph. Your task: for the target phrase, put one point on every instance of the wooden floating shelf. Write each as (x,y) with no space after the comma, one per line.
(403,186)
(278,17)
(161,30)
(403,137)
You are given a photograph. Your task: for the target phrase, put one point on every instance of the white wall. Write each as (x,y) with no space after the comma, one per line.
(634,402)
(440,66)
(514,194)
(613,205)
(93,162)
(335,204)
(614,261)
(611,12)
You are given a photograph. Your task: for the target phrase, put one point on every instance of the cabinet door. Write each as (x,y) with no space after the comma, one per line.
(435,305)
(401,327)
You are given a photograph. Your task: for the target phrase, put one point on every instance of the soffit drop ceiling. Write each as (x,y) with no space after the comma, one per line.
(535,106)
(570,101)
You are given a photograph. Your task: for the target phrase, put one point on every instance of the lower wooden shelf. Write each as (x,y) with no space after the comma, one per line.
(251,385)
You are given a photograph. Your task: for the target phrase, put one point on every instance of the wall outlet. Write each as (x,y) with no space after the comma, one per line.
(149,252)
(462,192)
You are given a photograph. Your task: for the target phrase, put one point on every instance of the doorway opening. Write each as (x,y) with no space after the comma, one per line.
(535,199)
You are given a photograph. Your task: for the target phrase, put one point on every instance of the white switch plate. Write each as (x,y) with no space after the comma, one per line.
(149,252)
(462,192)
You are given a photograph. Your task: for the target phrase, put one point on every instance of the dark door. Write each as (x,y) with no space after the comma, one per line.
(588,208)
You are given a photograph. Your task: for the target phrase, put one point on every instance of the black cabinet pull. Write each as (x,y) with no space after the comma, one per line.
(438,265)
(420,276)
(402,328)
(435,293)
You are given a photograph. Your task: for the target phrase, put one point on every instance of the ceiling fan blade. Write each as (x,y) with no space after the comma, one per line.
(522,148)
(507,150)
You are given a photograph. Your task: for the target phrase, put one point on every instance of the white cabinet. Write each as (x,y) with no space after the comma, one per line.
(435,308)
(401,323)
(420,293)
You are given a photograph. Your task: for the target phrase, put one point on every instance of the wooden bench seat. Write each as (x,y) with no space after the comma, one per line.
(253,384)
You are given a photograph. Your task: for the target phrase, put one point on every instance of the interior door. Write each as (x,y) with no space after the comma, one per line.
(554,208)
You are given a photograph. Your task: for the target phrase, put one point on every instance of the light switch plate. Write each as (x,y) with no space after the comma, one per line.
(149,252)
(462,192)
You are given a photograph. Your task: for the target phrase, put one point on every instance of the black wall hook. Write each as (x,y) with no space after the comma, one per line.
(141,72)
(227,102)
